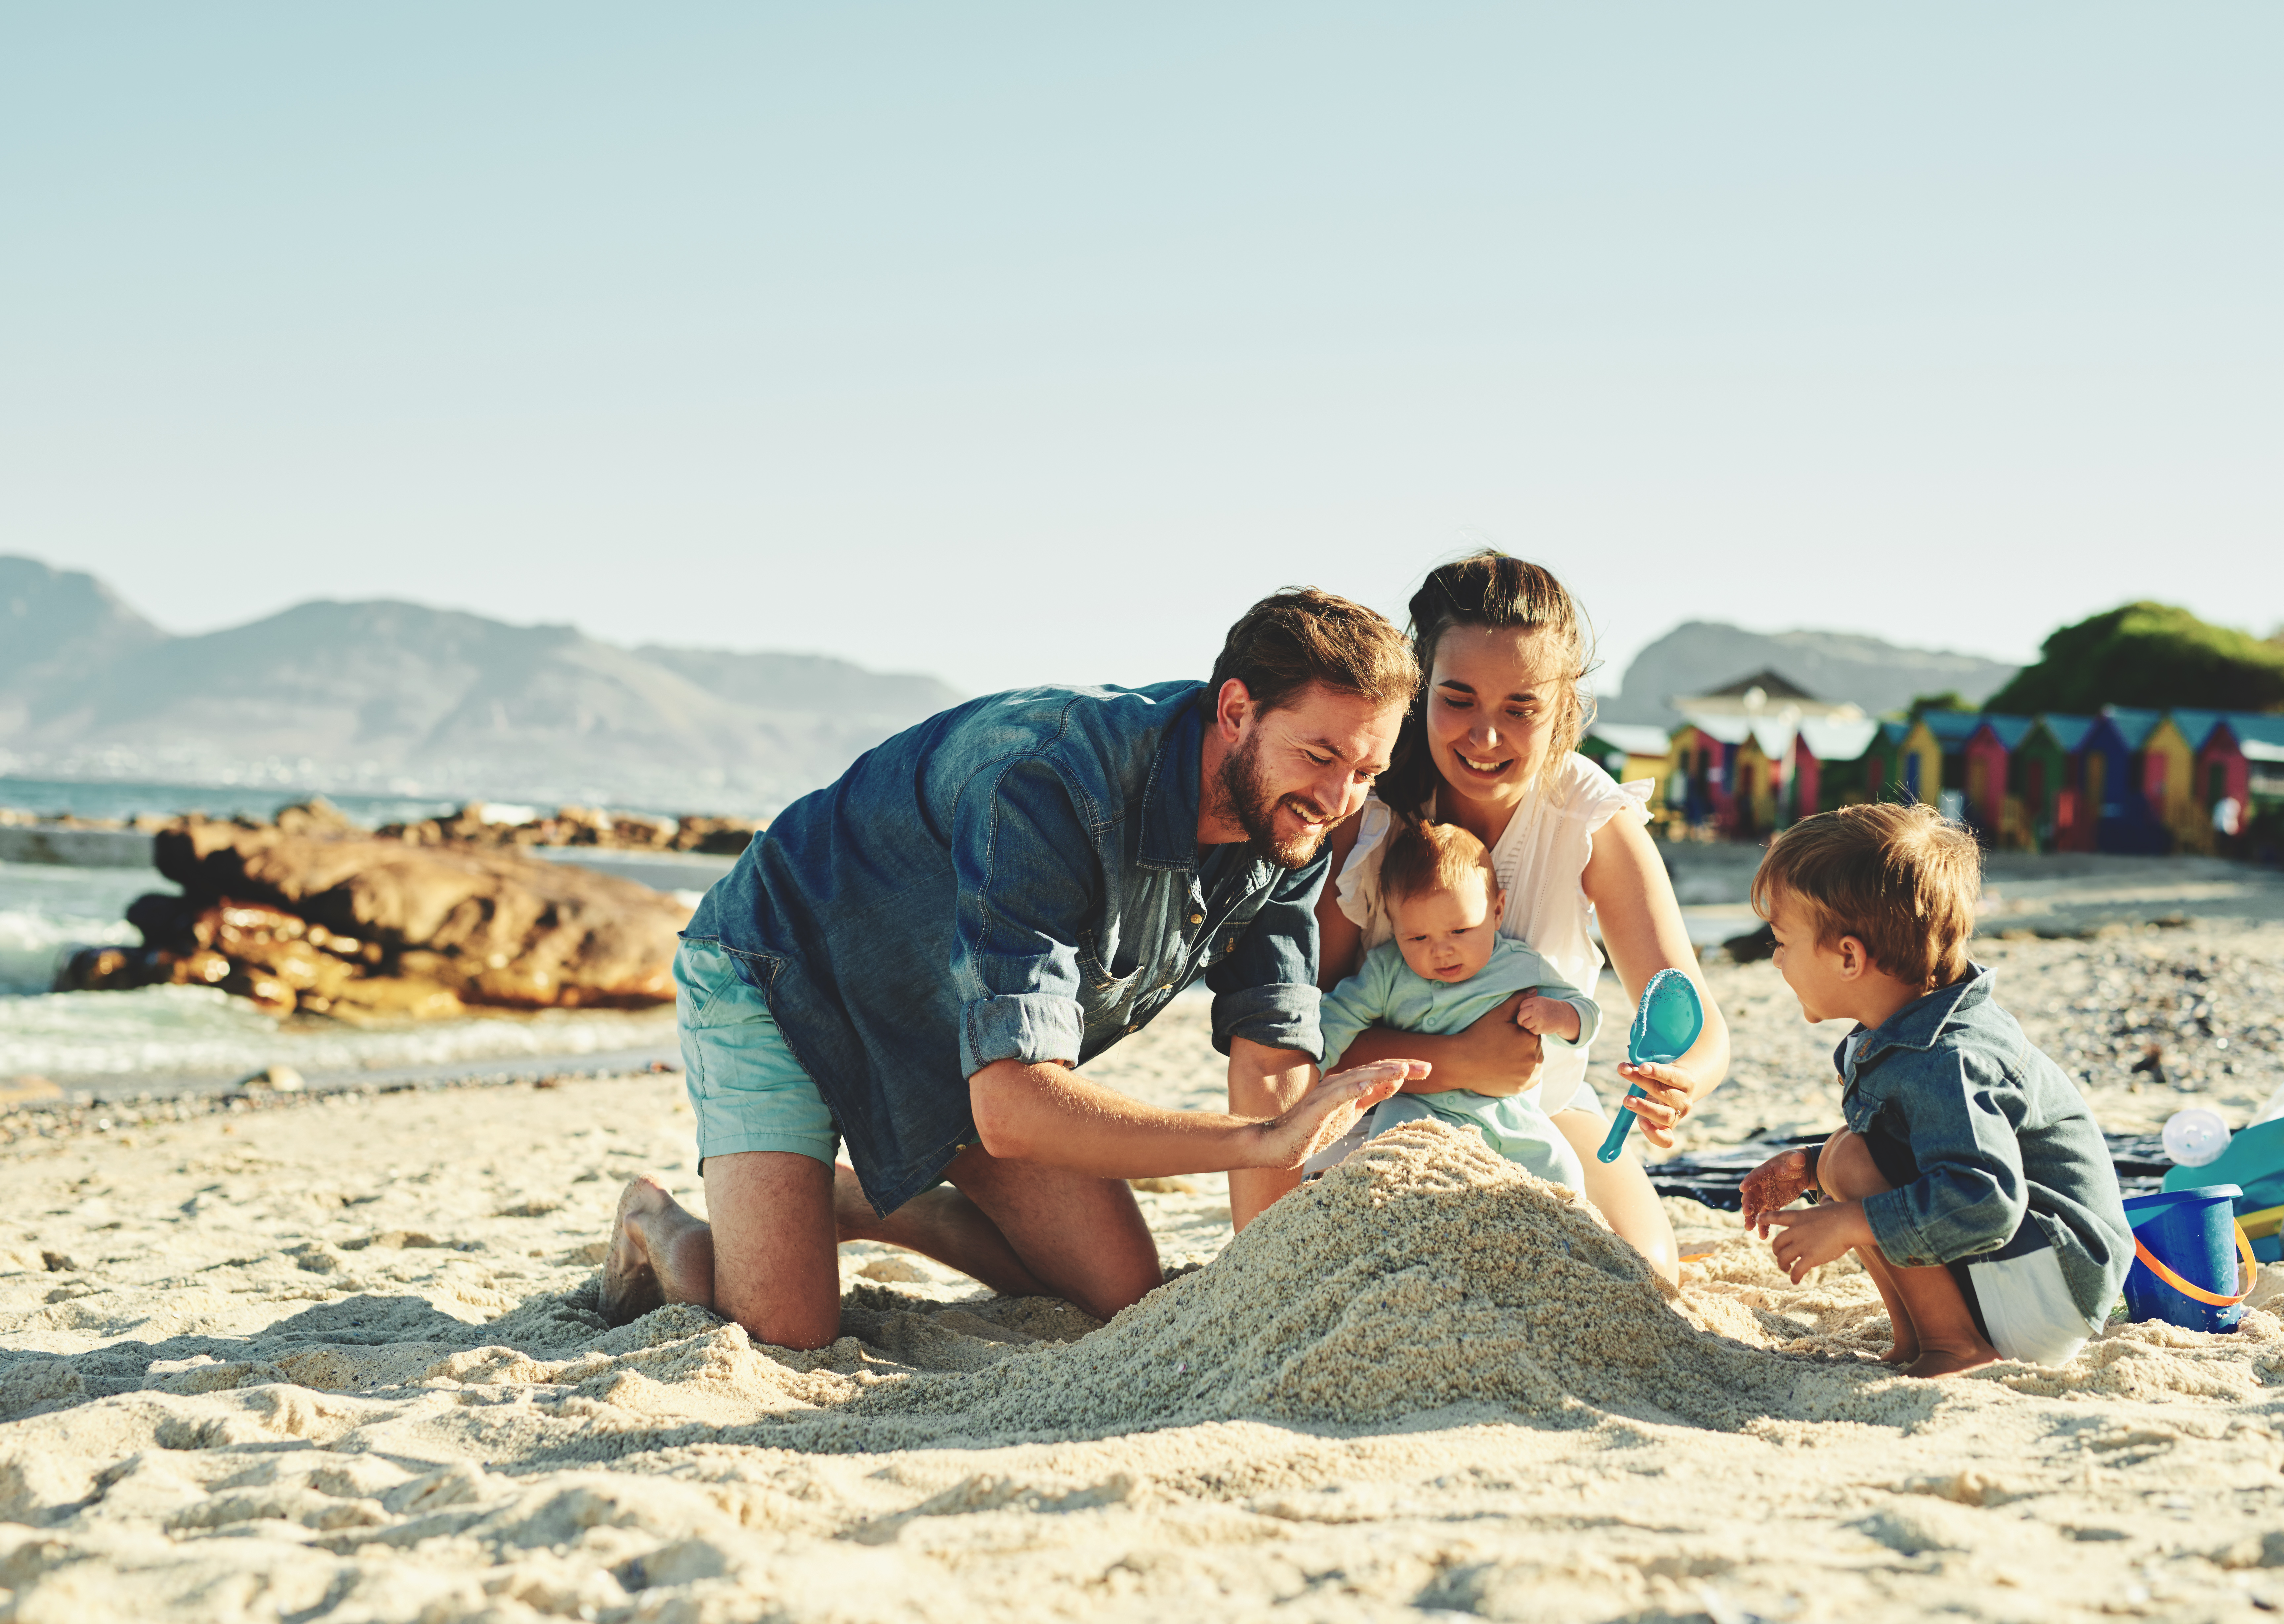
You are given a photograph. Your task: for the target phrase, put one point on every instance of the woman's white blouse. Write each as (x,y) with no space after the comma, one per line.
(1540,861)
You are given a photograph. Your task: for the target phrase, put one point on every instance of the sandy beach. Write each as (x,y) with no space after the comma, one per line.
(336,1359)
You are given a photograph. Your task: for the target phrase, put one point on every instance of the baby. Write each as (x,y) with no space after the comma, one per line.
(1447,966)
(1970,1179)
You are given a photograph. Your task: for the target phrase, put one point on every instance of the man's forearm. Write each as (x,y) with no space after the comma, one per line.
(1047,1113)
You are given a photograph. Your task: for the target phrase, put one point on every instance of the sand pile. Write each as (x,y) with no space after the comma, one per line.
(1423,1273)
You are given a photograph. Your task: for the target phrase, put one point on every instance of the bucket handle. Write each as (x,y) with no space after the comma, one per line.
(2249,1274)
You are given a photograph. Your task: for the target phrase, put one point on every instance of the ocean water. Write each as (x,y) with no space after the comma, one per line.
(166,1034)
(46,910)
(123,799)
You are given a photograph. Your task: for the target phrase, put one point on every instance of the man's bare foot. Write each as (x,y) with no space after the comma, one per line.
(659,1255)
(1906,1350)
(1950,1362)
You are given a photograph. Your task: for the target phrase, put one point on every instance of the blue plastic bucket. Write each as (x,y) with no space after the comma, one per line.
(2193,1233)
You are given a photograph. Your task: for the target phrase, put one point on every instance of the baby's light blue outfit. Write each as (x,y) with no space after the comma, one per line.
(1387,992)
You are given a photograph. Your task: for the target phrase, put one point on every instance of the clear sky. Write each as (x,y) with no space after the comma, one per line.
(1014,343)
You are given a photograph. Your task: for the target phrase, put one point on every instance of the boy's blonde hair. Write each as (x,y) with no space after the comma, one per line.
(1900,879)
(1422,857)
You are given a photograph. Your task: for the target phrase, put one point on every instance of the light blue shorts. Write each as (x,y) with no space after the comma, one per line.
(746,1090)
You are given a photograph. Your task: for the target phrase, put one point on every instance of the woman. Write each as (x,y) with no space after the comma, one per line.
(1491,746)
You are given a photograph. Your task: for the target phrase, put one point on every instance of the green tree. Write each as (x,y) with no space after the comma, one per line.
(1947,700)
(2147,654)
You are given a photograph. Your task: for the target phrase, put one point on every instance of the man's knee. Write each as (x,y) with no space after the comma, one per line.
(1845,1169)
(1120,1282)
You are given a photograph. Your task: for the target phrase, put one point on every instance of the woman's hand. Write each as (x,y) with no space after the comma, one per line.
(1667,1091)
(1496,1054)
(1329,1110)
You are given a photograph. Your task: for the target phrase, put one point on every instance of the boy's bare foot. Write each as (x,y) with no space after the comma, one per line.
(659,1255)
(1950,1362)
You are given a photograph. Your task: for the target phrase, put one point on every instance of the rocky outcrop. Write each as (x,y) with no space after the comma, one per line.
(296,917)
(478,825)
(475,824)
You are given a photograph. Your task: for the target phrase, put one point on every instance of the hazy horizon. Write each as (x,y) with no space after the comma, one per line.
(1607,679)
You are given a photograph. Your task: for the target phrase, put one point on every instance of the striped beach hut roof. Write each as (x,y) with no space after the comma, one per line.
(1951,728)
(2068,731)
(2133,725)
(2008,731)
(1724,730)
(1633,737)
(2197,726)
(1832,739)
(2254,727)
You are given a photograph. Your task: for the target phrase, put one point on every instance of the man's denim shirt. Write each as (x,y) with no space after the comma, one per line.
(1017,879)
(1997,1131)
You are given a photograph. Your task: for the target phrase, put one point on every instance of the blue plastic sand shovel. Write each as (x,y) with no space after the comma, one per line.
(1665,1026)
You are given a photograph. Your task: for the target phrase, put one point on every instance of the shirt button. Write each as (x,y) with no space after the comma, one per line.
(1197,918)
(1136,1027)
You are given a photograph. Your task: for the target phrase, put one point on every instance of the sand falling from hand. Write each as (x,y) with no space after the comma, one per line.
(1423,1273)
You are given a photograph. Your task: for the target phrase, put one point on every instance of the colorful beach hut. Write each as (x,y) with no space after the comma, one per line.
(2043,775)
(2110,774)
(1995,815)
(1949,730)
(2261,738)
(1630,750)
(1905,763)
(1704,754)
(1758,778)
(2243,761)
(2169,777)
(1830,765)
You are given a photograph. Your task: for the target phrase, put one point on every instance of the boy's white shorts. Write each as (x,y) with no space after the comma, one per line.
(2026,1304)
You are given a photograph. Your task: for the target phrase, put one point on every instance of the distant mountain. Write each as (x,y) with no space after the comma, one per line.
(382,694)
(53,623)
(1700,656)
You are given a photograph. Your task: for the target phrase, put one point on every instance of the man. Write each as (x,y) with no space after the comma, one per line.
(914,959)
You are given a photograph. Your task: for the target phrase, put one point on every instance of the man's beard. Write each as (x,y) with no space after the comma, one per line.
(1242,797)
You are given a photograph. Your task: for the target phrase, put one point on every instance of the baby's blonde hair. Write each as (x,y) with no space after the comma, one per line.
(1424,857)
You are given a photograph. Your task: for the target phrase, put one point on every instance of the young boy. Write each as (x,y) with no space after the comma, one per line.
(1447,966)
(1971,1178)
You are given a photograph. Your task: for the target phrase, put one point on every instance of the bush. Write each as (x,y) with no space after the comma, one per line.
(2149,655)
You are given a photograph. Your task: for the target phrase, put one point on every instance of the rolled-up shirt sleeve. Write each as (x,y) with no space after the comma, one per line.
(1357,1002)
(1266,990)
(1970,1196)
(1026,872)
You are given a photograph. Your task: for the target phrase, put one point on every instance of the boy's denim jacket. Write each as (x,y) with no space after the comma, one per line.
(1019,878)
(1997,1131)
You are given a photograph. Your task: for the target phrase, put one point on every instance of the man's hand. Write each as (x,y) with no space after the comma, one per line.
(1817,1235)
(1667,1091)
(1329,1110)
(1548,1018)
(1777,1183)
